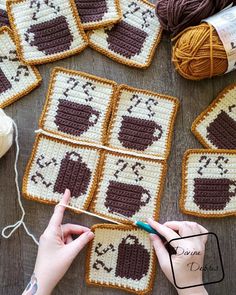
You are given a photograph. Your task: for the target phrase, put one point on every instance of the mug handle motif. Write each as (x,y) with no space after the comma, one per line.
(147,193)
(233,193)
(159,128)
(133,240)
(95,119)
(68,156)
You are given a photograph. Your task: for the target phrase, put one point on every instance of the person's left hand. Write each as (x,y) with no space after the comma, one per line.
(57,249)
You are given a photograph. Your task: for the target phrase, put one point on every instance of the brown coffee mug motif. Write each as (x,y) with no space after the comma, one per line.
(51,37)
(125,39)
(91,11)
(222,131)
(74,118)
(213,193)
(133,259)
(138,134)
(74,174)
(126,199)
(4,82)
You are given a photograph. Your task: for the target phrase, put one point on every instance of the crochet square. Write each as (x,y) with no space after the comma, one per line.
(142,122)
(121,257)
(209,183)
(3,14)
(46,30)
(129,187)
(134,39)
(56,165)
(216,126)
(16,79)
(97,14)
(78,106)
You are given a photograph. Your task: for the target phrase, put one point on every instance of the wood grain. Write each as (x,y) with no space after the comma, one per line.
(17,255)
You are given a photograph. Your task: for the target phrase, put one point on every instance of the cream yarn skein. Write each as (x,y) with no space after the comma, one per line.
(6,133)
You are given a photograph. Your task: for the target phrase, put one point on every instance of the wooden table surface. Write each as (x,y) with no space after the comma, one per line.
(17,255)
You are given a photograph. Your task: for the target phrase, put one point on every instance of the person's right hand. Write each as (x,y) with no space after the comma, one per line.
(184,273)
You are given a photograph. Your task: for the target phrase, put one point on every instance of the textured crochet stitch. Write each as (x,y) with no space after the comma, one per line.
(78,106)
(97,14)
(81,109)
(121,257)
(129,187)
(16,78)
(142,121)
(216,126)
(56,165)
(134,39)
(46,31)
(209,183)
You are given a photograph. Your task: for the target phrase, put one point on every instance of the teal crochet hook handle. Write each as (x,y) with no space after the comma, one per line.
(149,229)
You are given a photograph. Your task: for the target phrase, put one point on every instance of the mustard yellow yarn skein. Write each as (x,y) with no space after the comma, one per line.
(198,53)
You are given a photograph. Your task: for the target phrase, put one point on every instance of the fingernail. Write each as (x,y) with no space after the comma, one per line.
(67,191)
(90,234)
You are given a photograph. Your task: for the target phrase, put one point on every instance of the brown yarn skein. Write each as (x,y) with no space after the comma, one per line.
(198,53)
(176,15)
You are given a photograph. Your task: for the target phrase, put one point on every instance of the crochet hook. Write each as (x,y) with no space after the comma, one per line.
(144,226)
(89,213)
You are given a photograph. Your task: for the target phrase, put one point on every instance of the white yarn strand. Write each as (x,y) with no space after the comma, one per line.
(20,222)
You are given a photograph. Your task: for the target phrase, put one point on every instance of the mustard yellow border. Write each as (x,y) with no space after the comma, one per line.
(52,82)
(123,87)
(88,259)
(109,54)
(103,23)
(183,195)
(17,96)
(54,57)
(206,112)
(157,203)
(40,137)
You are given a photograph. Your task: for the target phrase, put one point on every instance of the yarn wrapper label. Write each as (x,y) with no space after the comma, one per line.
(225,24)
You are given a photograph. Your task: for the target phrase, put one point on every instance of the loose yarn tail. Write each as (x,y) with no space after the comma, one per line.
(20,222)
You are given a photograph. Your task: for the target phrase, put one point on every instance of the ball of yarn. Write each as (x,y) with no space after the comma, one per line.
(176,15)
(198,53)
(6,133)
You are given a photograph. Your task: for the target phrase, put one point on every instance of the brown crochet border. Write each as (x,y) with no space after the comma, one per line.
(44,60)
(158,195)
(205,114)
(122,60)
(54,73)
(184,184)
(146,92)
(38,138)
(89,252)
(31,87)
(104,23)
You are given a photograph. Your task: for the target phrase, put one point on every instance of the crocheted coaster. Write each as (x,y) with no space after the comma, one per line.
(46,30)
(3,14)
(129,187)
(121,257)
(143,121)
(97,14)
(209,183)
(16,79)
(216,126)
(56,165)
(78,105)
(134,39)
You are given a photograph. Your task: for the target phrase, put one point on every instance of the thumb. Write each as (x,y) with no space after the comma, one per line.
(161,252)
(78,244)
